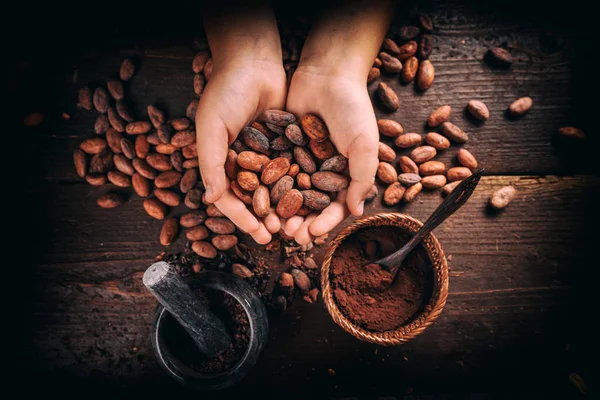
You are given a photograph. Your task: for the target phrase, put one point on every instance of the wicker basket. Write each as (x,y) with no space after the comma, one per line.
(431,310)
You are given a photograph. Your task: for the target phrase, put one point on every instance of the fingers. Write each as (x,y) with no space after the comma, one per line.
(331,216)
(303,235)
(292,224)
(362,164)
(212,144)
(272,222)
(238,213)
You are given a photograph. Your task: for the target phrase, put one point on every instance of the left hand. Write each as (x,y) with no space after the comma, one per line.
(342,101)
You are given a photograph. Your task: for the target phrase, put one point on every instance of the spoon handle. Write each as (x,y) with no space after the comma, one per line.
(449,206)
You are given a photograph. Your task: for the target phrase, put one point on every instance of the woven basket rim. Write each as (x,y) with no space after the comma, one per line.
(435,304)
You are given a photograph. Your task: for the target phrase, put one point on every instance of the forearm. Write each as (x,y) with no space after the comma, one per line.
(242,33)
(346,38)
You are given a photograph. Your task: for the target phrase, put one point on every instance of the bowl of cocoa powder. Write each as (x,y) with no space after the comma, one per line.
(360,297)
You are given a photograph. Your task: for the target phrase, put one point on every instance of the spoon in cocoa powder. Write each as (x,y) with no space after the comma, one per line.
(449,206)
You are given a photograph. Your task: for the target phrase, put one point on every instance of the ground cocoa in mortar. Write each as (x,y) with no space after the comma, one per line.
(363,292)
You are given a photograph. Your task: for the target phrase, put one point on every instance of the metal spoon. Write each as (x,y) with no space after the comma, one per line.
(449,206)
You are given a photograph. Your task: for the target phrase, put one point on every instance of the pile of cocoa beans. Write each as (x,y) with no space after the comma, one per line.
(287,164)
(157,157)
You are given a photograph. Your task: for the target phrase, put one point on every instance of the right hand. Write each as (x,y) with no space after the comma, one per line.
(237,93)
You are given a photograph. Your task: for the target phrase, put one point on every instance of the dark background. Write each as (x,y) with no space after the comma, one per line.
(44,44)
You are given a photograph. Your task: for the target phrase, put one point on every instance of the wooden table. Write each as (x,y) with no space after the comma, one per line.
(517,313)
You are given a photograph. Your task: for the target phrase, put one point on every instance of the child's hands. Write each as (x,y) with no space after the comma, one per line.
(234,97)
(343,102)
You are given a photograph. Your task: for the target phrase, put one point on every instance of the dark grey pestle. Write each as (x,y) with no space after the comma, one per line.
(207,331)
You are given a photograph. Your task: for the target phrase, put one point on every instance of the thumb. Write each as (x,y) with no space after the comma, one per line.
(362,164)
(212,144)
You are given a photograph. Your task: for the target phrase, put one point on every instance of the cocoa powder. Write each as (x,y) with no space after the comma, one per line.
(363,291)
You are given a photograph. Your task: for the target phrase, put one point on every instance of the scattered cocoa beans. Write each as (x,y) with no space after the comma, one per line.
(454,133)
(432,168)
(329,181)
(127,70)
(502,197)
(110,200)
(425,75)
(393,194)
(458,173)
(261,201)
(478,110)
(408,179)
(433,181)
(571,132)
(390,63)
(449,187)
(386,153)
(408,166)
(289,203)
(409,70)
(388,97)
(412,191)
(390,128)
(499,57)
(314,127)
(439,116)
(422,153)
(386,173)
(155,208)
(466,159)
(408,140)
(374,73)
(437,141)
(169,231)
(520,106)
(204,249)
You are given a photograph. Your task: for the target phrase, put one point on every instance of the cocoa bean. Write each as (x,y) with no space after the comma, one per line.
(458,173)
(115,89)
(288,155)
(390,46)
(261,202)
(188,180)
(168,197)
(315,199)
(571,132)
(110,200)
(101,162)
(119,179)
(159,162)
(176,160)
(140,185)
(248,180)
(142,167)
(241,271)
(437,141)
(390,128)
(408,140)
(502,197)
(193,199)
(439,116)
(407,33)
(336,164)
(294,169)
(432,168)
(390,63)
(425,47)
(138,127)
(127,70)
(155,208)
(157,117)
(377,63)
(304,160)
(204,249)
(80,162)
(199,60)
(520,106)
(454,133)
(113,138)
(433,181)
(275,129)
(190,111)
(224,243)
(123,164)
(183,138)
(329,181)
(241,194)
(85,98)
(193,163)
(478,110)
(422,153)
(254,139)
(193,218)
(124,111)
(322,150)
(386,153)
(142,147)
(286,281)
(274,170)
(179,124)
(213,211)
(466,159)
(393,194)
(295,135)
(388,97)
(310,263)
(208,68)
(386,173)
(408,179)
(169,231)
(449,187)
(425,75)
(281,143)
(95,179)
(221,226)
(407,50)
(167,179)
(127,148)
(301,280)
(314,127)
(231,165)
(407,165)
(499,57)
(198,232)
(409,70)
(278,117)
(374,73)
(101,100)
(168,148)
(425,23)
(93,145)
(412,191)
(101,124)
(283,185)
(164,133)
(199,83)
(303,180)
(289,203)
